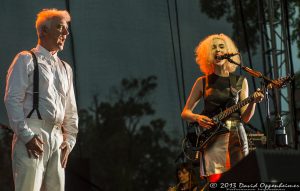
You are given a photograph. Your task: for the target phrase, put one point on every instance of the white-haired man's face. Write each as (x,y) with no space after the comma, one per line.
(54,37)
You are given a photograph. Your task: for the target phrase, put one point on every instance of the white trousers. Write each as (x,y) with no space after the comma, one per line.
(44,173)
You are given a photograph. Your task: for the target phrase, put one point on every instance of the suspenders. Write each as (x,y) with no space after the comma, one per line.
(35,103)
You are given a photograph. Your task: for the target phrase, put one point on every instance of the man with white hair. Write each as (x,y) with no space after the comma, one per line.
(41,107)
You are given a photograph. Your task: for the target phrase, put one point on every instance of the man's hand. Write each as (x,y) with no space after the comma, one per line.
(35,147)
(65,151)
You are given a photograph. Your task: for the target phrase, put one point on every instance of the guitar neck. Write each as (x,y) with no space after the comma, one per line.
(233,108)
(275,83)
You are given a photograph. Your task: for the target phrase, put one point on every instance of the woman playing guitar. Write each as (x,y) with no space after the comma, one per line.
(220,89)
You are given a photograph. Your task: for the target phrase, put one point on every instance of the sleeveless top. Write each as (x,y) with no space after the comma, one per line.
(220,93)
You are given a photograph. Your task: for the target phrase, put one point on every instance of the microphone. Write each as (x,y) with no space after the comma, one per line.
(226,56)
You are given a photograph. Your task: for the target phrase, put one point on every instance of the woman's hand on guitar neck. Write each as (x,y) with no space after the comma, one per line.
(258,96)
(204,121)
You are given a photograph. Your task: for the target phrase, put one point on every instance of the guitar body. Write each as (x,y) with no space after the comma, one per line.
(200,140)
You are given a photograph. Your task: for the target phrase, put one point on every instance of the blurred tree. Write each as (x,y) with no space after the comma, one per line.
(296,24)
(233,10)
(127,146)
(6,180)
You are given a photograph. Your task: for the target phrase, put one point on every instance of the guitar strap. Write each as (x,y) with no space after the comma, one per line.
(235,85)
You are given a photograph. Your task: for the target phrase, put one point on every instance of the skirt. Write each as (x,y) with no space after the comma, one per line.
(225,150)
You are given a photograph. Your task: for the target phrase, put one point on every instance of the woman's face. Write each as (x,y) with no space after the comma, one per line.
(218,48)
(183,176)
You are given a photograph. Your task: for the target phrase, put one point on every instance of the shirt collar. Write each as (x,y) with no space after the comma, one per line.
(46,53)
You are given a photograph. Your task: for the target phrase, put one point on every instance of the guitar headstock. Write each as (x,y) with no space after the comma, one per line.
(281,82)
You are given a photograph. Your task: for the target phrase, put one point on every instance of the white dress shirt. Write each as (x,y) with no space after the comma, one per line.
(57,103)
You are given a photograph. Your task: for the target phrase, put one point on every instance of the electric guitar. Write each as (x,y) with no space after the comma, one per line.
(198,138)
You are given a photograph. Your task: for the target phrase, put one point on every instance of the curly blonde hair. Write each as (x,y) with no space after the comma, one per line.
(205,58)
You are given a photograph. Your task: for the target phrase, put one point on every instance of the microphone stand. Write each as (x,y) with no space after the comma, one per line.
(254,73)
(281,136)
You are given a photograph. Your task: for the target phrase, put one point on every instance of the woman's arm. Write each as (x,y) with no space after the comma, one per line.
(192,101)
(248,110)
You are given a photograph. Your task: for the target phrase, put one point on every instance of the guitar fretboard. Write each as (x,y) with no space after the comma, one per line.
(233,108)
